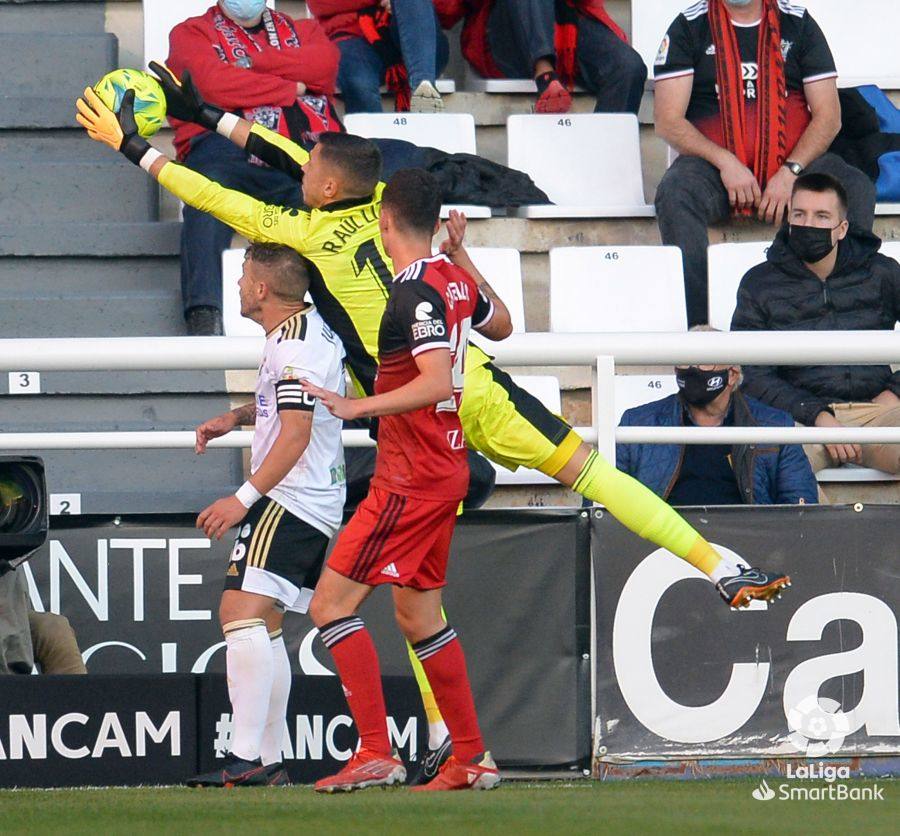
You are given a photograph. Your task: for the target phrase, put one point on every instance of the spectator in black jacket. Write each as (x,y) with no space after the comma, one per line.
(821,274)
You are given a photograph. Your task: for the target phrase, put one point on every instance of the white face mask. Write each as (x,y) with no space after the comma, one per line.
(243,11)
(738,3)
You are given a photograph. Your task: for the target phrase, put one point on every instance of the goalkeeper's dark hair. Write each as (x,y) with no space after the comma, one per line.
(286,271)
(358,159)
(413,197)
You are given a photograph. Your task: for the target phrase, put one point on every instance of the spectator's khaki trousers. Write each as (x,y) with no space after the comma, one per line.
(884,457)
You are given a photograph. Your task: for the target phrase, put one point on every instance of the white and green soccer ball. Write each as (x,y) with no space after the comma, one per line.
(149,98)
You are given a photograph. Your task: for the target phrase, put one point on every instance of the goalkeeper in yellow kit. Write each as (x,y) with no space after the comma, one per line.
(351,278)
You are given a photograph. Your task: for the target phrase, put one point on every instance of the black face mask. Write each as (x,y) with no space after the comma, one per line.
(698,387)
(810,243)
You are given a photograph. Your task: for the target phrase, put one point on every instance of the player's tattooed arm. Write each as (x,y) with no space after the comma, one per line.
(245,416)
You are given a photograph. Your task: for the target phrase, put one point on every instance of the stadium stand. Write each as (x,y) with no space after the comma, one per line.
(83,254)
(88,247)
(614,289)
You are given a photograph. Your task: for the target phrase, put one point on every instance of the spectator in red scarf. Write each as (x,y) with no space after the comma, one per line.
(398,42)
(555,42)
(746,93)
(270,69)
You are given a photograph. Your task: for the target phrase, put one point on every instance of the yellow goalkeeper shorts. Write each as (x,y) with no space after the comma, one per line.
(510,426)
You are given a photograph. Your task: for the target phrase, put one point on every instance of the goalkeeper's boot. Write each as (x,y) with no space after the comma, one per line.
(234,772)
(277,776)
(751,584)
(432,762)
(480,773)
(365,769)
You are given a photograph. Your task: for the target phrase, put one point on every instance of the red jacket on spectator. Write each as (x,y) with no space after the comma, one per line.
(339,18)
(474,34)
(270,81)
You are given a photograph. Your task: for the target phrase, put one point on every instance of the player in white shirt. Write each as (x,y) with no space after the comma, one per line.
(287,510)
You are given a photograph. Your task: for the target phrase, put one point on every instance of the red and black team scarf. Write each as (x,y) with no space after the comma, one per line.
(374,23)
(771,137)
(311,115)
(565,36)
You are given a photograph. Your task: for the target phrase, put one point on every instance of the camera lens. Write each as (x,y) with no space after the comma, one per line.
(19,498)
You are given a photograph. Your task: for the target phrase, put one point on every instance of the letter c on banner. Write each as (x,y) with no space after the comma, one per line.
(633,660)
(95,647)
(56,735)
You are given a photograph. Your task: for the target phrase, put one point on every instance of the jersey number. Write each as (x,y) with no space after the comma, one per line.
(367,254)
(459,336)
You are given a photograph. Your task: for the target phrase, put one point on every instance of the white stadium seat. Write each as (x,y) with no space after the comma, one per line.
(727,265)
(863,43)
(546,389)
(502,269)
(160,16)
(637,389)
(615,289)
(233,324)
(891,249)
(589,164)
(450,132)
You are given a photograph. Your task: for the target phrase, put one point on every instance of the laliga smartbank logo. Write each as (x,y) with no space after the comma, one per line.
(818,729)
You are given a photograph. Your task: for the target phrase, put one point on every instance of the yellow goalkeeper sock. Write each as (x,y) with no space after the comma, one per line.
(643,512)
(437,729)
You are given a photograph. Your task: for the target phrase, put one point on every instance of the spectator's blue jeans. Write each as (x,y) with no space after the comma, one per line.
(203,238)
(521,31)
(415,31)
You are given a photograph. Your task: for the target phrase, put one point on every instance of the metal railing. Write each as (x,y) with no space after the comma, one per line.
(602,352)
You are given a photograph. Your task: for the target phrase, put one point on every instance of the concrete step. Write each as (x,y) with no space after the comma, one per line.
(118,481)
(90,297)
(100,240)
(30,16)
(75,191)
(44,73)
(123,383)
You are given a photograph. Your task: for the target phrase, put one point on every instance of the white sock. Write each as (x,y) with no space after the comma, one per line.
(437,733)
(270,749)
(248,659)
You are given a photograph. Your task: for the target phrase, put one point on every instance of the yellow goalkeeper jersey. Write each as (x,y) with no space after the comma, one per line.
(350,273)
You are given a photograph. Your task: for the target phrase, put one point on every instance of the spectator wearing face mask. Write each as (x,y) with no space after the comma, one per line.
(716,474)
(746,93)
(271,69)
(824,274)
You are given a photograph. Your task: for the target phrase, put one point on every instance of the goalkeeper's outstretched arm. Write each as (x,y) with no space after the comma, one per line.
(253,218)
(183,101)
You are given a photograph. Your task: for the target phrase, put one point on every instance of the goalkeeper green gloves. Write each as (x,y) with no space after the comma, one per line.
(183,100)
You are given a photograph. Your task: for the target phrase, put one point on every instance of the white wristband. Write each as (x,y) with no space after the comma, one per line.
(246,494)
(227,124)
(150,156)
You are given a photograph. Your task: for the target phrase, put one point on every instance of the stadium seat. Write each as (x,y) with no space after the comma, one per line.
(637,389)
(233,324)
(502,268)
(546,389)
(589,164)
(450,132)
(160,16)
(615,289)
(727,265)
(863,49)
(891,249)
(508,86)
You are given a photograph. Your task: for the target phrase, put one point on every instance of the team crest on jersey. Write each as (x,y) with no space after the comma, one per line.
(289,373)
(786,48)
(663,54)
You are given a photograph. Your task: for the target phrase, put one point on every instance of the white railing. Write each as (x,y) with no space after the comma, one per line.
(600,351)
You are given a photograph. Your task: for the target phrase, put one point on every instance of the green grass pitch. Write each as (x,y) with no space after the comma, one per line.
(636,808)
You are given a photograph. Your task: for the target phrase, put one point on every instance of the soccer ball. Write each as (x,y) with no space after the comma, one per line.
(149,99)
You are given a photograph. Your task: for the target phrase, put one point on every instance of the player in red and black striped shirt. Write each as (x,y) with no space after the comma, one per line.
(400,534)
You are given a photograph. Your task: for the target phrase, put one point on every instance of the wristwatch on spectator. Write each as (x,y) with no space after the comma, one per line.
(794,167)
